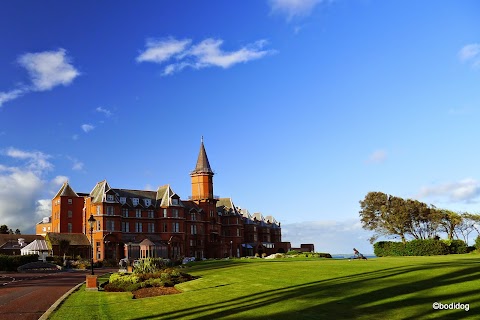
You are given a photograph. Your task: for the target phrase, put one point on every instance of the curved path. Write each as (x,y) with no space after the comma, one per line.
(26,296)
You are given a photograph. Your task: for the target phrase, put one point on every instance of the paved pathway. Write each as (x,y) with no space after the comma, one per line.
(26,296)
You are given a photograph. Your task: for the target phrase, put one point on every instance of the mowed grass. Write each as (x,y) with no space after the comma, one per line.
(311,288)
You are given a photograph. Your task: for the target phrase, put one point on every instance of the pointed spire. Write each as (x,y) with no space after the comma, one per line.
(203,166)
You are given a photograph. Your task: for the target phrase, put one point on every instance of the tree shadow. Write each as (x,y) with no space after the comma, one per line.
(350,297)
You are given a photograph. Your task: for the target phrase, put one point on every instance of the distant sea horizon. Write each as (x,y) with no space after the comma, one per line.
(350,255)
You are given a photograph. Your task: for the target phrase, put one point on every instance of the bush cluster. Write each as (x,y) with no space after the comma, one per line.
(150,265)
(419,247)
(11,263)
(131,282)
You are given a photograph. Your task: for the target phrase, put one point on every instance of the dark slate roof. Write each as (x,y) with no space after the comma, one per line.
(66,191)
(189,205)
(76,239)
(203,166)
(13,238)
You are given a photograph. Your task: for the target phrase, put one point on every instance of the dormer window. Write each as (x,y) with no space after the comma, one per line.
(135,201)
(110,197)
(175,201)
(148,202)
(123,200)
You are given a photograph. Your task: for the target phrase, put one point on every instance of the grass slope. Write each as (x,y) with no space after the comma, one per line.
(383,288)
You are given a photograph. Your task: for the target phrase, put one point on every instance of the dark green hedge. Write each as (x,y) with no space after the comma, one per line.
(458,246)
(11,263)
(427,247)
(388,248)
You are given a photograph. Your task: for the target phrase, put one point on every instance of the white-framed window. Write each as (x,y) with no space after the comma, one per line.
(165,214)
(193,216)
(193,229)
(44,229)
(125,227)
(151,213)
(99,210)
(138,227)
(110,197)
(175,213)
(135,201)
(238,232)
(175,227)
(192,243)
(138,213)
(175,201)
(110,225)
(110,211)
(125,212)
(70,201)
(69,226)
(69,213)
(123,200)
(148,202)
(98,225)
(211,214)
(151,227)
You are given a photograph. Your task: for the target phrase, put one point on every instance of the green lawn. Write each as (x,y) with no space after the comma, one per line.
(311,288)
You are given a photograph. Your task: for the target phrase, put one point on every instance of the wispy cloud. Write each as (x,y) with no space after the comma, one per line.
(378,156)
(205,54)
(466,190)
(37,161)
(106,112)
(293,8)
(470,53)
(46,69)
(10,95)
(87,127)
(161,50)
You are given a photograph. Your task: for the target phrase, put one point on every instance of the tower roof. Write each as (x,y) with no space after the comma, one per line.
(66,191)
(203,166)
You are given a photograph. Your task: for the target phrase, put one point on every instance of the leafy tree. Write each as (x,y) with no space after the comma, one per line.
(449,222)
(4,229)
(385,215)
(468,225)
(17,231)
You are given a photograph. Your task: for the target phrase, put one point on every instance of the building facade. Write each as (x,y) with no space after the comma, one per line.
(139,223)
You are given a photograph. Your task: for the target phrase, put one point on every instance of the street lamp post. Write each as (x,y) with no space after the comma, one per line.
(231,248)
(91,222)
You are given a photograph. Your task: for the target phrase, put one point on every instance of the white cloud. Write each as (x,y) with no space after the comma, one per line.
(466,190)
(59,180)
(10,95)
(77,165)
(159,51)
(75,137)
(293,8)
(87,127)
(470,53)
(43,208)
(49,69)
(106,112)
(207,53)
(378,156)
(37,161)
(334,237)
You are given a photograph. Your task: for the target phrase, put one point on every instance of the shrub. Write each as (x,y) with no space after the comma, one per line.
(426,247)
(477,242)
(292,252)
(150,265)
(323,255)
(11,263)
(458,246)
(388,248)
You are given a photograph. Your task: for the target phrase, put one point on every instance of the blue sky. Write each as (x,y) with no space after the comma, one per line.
(305,106)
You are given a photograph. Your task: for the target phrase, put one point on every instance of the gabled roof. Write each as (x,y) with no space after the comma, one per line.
(191,205)
(147,242)
(66,191)
(98,192)
(13,238)
(203,165)
(165,195)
